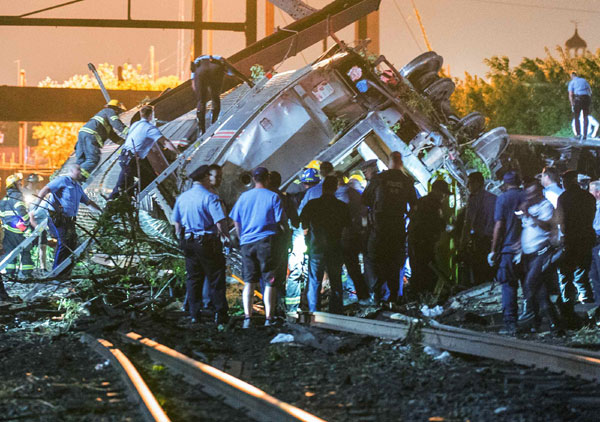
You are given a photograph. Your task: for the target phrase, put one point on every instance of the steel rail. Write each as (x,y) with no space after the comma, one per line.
(236,393)
(574,362)
(137,389)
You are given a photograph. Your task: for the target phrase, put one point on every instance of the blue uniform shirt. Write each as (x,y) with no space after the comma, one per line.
(579,86)
(350,196)
(597,219)
(506,205)
(217,58)
(142,135)
(69,194)
(198,210)
(312,193)
(258,211)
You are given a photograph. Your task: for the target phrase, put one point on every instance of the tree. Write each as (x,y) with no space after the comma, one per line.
(530,98)
(56,141)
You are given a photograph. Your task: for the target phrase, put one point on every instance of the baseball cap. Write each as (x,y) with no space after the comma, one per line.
(259,171)
(511,178)
(200,173)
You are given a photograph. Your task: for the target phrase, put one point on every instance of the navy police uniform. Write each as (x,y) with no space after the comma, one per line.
(197,211)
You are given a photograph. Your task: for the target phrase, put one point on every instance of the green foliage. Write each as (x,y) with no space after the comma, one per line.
(530,98)
(339,124)
(472,161)
(72,310)
(257,72)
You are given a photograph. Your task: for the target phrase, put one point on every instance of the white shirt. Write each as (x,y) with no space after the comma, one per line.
(140,138)
(552,192)
(533,237)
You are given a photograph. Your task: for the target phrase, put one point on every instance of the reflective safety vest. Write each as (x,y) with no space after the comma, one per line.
(13,212)
(103,123)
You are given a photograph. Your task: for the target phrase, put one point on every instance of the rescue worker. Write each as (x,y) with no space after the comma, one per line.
(295,280)
(538,224)
(66,195)
(595,267)
(16,225)
(207,81)
(102,126)
(34,184)
(478,230)
(505,251)
(576,210)
(324,220)
(200,223)
(387,196)
(427,223)
(257,215)
(325,169)
(352,237)
(141,137)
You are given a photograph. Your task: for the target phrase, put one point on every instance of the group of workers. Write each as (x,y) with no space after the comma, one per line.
(323,218)
(540,235)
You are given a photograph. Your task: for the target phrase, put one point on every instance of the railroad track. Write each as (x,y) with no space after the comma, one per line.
(558,359)
(238,394)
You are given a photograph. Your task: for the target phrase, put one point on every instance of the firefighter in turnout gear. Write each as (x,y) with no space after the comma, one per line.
(15,221)
(102,126)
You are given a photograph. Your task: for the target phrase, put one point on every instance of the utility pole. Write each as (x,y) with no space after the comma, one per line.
(197,28)
(269,18)
(368,27)
(22,128)
(210,32)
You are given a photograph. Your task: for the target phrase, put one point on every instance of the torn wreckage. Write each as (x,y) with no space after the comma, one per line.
(343,109)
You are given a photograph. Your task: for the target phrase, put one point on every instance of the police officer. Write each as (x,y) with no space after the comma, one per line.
(293,288)
(102,126)
(64,202)
(200,221)
(15,221)
(580,97)
(207,81)
(140,139)
(387,196)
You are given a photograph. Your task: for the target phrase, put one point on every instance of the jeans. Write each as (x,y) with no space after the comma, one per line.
(87,152)
(330,261)
(66,236)
(573,277)
(536,291)
(508,276)
(204,263)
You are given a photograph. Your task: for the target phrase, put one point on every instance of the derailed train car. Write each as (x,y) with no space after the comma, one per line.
(343,109)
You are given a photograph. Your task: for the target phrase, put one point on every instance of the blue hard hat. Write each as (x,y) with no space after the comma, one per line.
(309,176)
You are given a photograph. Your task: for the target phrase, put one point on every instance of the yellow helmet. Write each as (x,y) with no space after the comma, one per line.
(115,103)
(13,178)
(314,164)
(358,176)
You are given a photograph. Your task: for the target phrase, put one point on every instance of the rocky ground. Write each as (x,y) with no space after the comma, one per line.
(47,374)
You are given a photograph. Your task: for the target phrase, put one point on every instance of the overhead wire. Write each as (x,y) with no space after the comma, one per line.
(534,6)
(408,26)
(286,24)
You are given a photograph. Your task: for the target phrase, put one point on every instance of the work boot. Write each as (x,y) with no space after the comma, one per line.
(508,330)
(526,311)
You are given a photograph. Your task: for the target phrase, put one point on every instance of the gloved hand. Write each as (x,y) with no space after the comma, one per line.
(492,258)
(517,258)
